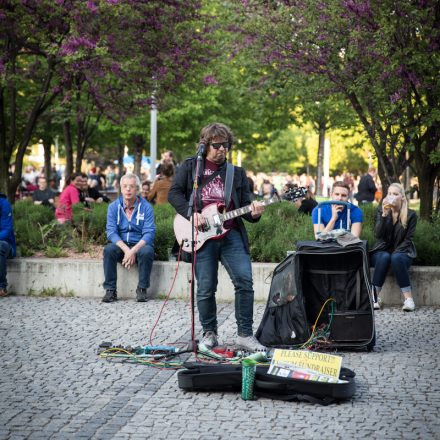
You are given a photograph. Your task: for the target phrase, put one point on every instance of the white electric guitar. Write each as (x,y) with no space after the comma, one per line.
(214,219)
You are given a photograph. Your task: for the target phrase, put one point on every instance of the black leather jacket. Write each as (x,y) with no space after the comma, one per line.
(182,186)
(401,239)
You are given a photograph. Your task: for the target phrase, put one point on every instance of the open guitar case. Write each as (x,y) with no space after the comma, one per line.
(223,378)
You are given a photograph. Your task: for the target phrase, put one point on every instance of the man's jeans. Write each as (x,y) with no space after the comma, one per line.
(231,252)
(400,264)
(5,253)
(114,255)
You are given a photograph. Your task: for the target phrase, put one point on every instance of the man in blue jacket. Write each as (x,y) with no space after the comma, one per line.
(130,229)
(7,241)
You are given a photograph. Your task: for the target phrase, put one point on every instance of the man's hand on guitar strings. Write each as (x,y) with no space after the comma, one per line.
(199,221)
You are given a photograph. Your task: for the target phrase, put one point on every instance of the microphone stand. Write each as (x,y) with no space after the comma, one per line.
(192,209)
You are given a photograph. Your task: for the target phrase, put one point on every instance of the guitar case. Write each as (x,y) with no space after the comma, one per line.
(202,377)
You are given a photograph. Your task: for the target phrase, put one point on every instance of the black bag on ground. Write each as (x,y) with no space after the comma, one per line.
(200,377)
(301,285)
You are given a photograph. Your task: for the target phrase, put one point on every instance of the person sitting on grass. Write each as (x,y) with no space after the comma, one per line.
(394,229)
(90,195)
(43,195)
(7,241)
(69,197)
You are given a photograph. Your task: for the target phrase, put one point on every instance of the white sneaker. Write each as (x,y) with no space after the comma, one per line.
(379,304)
(209,340)
(249,343)
(408,305)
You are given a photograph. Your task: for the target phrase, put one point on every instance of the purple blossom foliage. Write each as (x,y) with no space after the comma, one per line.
(210,80)
(91,6)
(75,43)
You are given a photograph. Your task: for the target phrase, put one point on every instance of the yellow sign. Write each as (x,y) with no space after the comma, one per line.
(321,363)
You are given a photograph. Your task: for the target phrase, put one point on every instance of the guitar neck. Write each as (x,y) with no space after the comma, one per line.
(242,211)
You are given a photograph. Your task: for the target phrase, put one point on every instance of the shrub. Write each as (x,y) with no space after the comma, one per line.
(278,231)
(28,221)
(164,238)
(90,223)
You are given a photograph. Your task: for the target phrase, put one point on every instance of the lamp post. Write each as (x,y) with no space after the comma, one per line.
(153,138)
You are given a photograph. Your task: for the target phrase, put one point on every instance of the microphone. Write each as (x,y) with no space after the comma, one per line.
(201,151)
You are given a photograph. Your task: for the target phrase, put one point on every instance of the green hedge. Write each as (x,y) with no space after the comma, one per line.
(276,233)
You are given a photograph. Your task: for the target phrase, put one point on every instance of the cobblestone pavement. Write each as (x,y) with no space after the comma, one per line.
(53,385)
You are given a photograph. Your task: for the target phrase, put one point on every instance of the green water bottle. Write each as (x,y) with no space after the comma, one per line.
(248,378)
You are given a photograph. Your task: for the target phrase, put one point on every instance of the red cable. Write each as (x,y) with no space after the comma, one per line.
(167,297)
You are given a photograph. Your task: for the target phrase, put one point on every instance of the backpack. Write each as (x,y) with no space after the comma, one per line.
(202,377)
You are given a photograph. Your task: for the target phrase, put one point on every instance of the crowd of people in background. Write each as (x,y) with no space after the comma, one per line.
(101,184)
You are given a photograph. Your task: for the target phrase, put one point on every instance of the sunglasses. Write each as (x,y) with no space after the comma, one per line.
(217,145)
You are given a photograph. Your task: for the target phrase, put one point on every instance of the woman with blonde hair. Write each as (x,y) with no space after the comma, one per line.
(394,229)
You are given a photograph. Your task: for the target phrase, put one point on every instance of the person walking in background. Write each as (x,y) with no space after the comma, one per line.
(367,188)
(7,241)
(69,197)
(130,230)
(394,229)
(161,186)
(110,176)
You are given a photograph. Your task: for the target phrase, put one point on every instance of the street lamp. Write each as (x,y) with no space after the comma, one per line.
(153,138)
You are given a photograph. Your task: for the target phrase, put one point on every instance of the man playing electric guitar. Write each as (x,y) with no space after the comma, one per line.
(232,249)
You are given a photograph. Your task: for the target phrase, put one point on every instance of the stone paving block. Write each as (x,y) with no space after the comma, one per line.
(80,395)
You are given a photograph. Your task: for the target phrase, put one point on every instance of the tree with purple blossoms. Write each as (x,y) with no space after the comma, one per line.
(109,54)
(381,55)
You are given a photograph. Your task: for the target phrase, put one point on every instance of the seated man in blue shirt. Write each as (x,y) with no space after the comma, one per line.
(335,216)
(130,229)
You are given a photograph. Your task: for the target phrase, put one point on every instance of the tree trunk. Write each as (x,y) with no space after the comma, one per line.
(320,160)
(139,143)
(427,174)
(120,159)
(69,148)
(47,145)
(437,201)
(4,176)
(80,147)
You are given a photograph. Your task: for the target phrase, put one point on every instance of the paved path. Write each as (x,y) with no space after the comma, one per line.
(52,384)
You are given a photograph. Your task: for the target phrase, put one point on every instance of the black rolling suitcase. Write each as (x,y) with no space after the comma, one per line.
(200,377)
(301,285)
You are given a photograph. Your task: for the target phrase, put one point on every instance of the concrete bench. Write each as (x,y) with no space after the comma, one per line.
(84,279)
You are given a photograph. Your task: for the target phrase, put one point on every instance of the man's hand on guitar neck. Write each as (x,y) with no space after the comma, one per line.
(257,208)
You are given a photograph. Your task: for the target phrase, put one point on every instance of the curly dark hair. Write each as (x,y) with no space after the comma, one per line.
(216,129)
